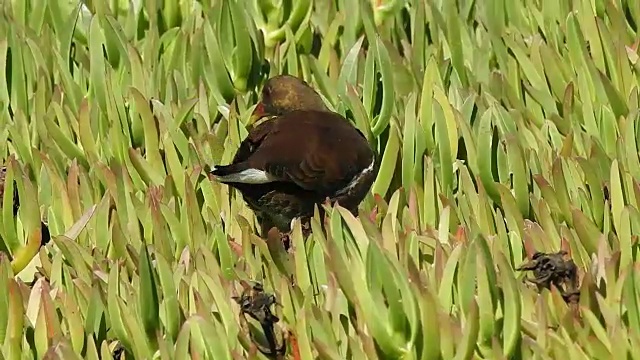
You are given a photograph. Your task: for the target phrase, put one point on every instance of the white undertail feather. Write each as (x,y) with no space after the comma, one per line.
(356,179)
(255,176)
(248,176)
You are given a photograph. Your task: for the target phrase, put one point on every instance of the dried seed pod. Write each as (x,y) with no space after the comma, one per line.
(255,302)
(554,269)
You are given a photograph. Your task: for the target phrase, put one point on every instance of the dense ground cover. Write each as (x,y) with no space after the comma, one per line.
(505,127)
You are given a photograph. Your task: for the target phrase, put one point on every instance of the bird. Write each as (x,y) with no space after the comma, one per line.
(300,155)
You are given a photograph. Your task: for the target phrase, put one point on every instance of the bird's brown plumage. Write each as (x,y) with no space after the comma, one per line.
(318,151)
(310,154)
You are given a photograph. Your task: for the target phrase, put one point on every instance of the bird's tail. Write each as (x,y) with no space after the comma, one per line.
(225,173)
(241,173)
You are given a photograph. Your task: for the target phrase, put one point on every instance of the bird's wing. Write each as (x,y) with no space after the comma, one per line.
(320,152)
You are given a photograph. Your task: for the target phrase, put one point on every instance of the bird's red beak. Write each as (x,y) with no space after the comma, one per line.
(258,113)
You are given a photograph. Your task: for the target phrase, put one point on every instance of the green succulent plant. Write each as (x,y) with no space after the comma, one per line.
(505,128)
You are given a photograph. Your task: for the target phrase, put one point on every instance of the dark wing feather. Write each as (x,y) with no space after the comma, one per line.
(251,143)
(318,151)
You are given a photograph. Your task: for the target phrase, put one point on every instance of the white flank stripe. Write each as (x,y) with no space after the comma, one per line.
(356,179)
(249,176)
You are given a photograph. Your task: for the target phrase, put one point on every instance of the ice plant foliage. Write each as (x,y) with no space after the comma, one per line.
(508,132)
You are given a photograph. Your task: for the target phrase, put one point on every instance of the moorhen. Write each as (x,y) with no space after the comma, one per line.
(301,155)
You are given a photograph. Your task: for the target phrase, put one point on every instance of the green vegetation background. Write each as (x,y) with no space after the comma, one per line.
(504,126)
